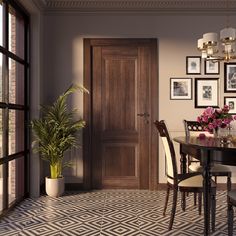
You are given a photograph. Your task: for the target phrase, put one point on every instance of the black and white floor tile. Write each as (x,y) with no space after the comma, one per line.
(108,213)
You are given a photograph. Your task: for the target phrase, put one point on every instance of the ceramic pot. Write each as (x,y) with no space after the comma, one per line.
(55,187)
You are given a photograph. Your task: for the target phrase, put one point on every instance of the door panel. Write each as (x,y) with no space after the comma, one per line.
(121,113)
(121,87)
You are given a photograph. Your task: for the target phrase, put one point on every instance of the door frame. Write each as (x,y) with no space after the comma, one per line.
(88,106)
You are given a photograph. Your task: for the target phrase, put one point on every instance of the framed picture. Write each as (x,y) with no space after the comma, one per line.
(206,92)
(212,68)
(230,77)
(193,65)
(231,102)
(180,88)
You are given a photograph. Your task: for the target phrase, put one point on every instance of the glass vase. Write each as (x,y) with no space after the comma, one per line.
(224,135)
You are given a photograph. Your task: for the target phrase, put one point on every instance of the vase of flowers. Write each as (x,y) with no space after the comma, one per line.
(213,119)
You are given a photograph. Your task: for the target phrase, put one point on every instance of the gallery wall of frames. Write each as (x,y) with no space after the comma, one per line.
(14,65)
(205,84)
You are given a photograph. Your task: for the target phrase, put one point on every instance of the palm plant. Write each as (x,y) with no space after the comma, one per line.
(55,132)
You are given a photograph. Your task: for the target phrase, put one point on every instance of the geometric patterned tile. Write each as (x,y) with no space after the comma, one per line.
(108,213)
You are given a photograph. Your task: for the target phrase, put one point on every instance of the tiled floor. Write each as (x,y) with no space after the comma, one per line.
(107,213)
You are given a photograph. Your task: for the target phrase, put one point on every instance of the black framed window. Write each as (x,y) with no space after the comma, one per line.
(14,104)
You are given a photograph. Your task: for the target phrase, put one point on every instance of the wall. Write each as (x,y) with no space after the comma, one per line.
(35,87)
(177,35)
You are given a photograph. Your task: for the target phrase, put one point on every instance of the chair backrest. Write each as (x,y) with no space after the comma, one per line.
(169,150)
(194,128)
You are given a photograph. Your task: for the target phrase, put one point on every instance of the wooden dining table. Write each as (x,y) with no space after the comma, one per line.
(207,150)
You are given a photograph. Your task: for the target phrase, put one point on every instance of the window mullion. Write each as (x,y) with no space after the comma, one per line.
(5,116)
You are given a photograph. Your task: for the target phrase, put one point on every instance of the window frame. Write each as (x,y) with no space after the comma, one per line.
(6,106)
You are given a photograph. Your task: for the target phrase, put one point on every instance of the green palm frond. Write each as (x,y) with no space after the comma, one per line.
(56,131)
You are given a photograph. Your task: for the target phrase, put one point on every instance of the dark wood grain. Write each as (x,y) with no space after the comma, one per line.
(121,150)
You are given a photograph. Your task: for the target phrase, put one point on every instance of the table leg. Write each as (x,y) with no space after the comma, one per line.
(183,163)
(183,168)
(206,190)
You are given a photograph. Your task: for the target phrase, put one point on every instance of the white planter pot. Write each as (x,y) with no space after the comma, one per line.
(55,187)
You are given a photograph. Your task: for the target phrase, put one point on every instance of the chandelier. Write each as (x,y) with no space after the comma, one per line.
(209,45)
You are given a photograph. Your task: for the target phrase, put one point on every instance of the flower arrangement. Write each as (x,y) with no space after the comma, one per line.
(211,118)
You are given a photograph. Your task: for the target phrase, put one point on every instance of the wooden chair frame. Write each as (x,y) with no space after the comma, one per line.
(177,178)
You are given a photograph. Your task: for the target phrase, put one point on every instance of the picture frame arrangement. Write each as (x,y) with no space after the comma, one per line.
(206,92)
(193,65)
(230,77)
(180,88)
(212,68)
(231,102)
(206,89)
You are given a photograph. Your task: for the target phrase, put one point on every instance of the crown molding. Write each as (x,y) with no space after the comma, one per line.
(175,6)
(40,4)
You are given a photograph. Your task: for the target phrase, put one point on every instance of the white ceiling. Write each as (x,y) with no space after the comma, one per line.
(162,6)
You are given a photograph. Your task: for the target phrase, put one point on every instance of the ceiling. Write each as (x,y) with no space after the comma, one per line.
(155,6)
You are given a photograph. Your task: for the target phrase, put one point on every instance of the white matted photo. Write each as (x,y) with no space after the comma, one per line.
(212,68)
(206,92)
(193,65)
(230,77)
(180,88)
(231,102)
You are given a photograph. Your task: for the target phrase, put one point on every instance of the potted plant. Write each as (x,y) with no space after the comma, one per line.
(55,132)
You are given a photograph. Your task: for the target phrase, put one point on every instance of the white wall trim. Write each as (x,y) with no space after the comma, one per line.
(171,6)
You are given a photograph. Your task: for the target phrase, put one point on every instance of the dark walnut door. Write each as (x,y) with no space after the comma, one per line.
(123,106)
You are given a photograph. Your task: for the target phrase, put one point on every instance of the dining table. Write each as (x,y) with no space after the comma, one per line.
(208,150)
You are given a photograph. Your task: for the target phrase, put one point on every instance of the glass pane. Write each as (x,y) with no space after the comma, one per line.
(1,24)
(16,179)
(1,135)
(16,82)
(1,77)
(1,187)
(16,131)
(16,33)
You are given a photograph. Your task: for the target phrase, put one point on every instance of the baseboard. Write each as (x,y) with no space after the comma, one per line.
(74,186)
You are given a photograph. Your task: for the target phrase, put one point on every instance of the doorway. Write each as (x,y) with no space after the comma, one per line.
(120,141)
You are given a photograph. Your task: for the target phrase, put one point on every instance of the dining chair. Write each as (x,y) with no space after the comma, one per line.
(185,183)
(231,204)
(194,128)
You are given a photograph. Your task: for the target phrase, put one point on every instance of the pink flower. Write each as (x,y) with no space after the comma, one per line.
(212,118)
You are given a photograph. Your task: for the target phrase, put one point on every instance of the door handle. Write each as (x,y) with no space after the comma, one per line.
(145,115)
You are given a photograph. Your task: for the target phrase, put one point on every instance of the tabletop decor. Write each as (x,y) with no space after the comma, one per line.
(212,118)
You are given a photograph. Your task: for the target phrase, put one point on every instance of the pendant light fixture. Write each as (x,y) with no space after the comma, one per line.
(210,46)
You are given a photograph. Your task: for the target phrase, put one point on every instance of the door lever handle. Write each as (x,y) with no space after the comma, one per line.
(145,114)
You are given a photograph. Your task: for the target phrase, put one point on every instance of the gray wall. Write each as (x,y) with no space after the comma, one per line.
(177,36)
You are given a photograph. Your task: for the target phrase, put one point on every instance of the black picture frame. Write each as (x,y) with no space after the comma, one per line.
(206,92)
(211,68)
(230,77)
(180,88)
(193,65)
(231,102)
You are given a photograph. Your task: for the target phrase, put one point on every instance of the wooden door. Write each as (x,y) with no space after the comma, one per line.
(123,103)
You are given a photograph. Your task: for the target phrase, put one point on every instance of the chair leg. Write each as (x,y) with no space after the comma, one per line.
(175,192)
(215,179)
(213,211)
(199,203)
(167,198)
(230,219)
(194,199)
(228,183)
(183,201)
